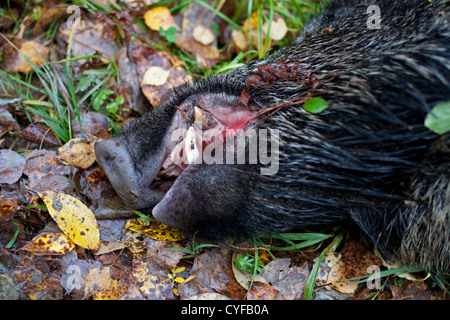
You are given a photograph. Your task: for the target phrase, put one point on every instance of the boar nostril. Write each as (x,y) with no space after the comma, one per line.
(106,153)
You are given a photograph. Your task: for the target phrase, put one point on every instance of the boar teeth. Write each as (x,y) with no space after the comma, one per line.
(191,146)
(199,117)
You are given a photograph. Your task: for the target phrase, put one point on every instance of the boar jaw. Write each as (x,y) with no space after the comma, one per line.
(137,182)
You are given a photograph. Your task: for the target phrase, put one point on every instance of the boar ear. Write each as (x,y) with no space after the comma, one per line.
(210,199)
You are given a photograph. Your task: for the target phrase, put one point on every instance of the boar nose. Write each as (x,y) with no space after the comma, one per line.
(110,155)
(116,163)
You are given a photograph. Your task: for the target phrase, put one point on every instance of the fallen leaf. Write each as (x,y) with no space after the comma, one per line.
(49,14)
(100,285)
(211,272)
(129,87)
(7,122)
(262,291)
(336,278)
(146,57)
(78,153)
(8,207)
(193,16)
(92,123)
(203,34)
(153,281)
(155,76)
(30,52)
(74,219)
(288,280)
(357,259)
(155,230)
(41,181)
(110,247)
(159,17)
(44,161)
(240,39)
(49,243)
(39,134)
(12,165)
(88,40)
(36,284)
(278,29)
(75,273)
(209,296)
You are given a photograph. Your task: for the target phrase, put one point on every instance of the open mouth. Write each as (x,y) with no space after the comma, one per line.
(196,135)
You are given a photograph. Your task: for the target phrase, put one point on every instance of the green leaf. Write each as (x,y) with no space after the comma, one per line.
(112,107)
(101,97)
(438,120)
(171,38)
(120,99)
(315,105)
(171,31)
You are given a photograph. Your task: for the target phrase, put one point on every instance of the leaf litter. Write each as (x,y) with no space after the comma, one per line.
(80,256)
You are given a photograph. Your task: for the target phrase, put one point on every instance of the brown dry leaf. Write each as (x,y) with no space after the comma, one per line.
(212,272)
(49,14)
(49,243)
(100,286)
(261,291)
(147,57)
(153,281)
(88,40)
(40,134)
(336,277)
(15,61)
(411,291)
(9,205)
(12,165)
(197,16)
(155,230)
(78,153)
(209,296)
(44,161)
(288,280)
(111,246)
(7,122)
(45,172)
(159,17)
(74,219)
(357,259)
(37,285)
(129,86)
(93,181)
(92,123)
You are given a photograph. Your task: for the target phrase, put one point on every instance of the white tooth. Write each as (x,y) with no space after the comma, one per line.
(199,118)
(191,146)
(175,156)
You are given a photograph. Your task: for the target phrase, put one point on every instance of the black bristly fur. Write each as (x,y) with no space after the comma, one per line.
(367,158)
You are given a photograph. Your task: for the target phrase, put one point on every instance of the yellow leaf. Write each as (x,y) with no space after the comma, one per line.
(100,285)
(159,17)
(151,281)
(74,219)
(49,244)
(155,230)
